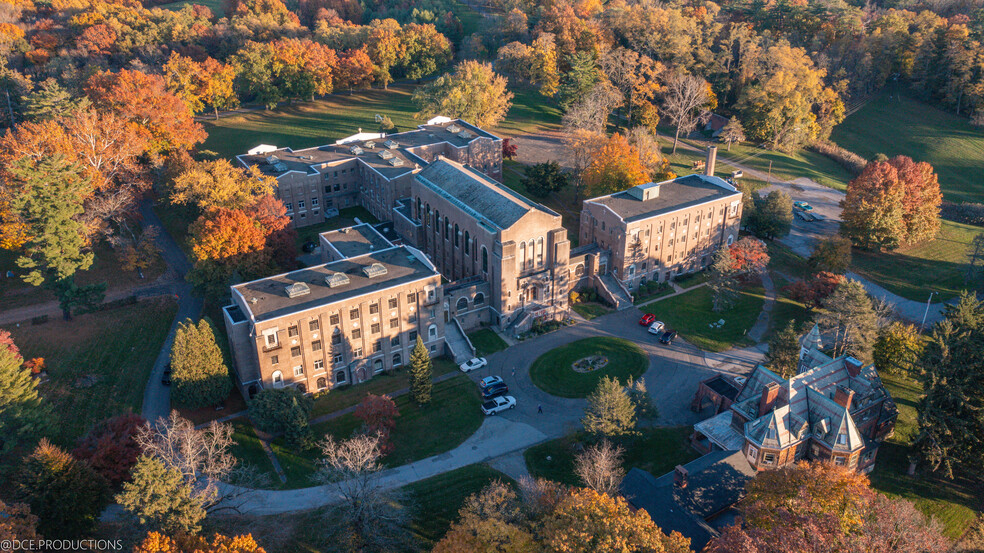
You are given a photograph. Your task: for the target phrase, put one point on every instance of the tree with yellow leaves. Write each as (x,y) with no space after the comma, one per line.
(615,167)
(217,184)
(159,543)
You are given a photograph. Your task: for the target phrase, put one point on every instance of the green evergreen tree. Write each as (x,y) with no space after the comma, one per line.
(783,355)
(421,373)
(51,101)
(199,371)
(48,199)
(645,408)
(578,80)
(544,178)
(160,498)
(22,415)
(283,411)
(610,412)
(721,280)
(773,216)
(849,316)
(72,296)
(65,494)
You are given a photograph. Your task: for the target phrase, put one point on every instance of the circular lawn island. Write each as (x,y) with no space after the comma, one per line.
(575,369)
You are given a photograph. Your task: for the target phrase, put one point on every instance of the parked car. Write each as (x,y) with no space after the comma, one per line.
(472,364)
(667,337)
(737,174)
(802,206)
(309,247)
(495,390)
(489,380)
(647,319)
(657,327)
(500,403)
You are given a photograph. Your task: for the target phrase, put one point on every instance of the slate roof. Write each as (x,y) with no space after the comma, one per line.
(477,194)
(678,193)
(715,482)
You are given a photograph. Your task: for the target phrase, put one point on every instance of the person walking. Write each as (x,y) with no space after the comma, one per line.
(539,409)
(514,372)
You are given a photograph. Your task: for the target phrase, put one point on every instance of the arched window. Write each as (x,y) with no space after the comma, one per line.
(437,220)
(447,228)
(431,332)
(529,259)
(485,260)
(522,255)
(397,359)
(731,239)
(539,251)
(278,379)
(377,366)
(579,271)
(419,216)
(467,243)
(322,383)
(461,305)
(456,242)
(631,270)
(479,298)
(340,377)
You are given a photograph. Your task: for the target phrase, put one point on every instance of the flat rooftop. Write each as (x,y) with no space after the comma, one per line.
(357,240)
(678,193)
(376,152)
(268,298)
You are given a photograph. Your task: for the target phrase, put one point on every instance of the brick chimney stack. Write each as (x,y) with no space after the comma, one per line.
(770,394)
(680,475)
(853,366)
(712,155)
(844,396)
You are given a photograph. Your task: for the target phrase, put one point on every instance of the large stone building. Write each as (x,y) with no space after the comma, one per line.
(373,170)
(834,410)
(506,260)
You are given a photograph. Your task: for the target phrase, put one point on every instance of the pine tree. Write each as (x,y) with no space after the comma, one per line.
(52,101)
(65,494)
(160,498)
(283,410)
(773,217)
(610,410)
(421,373)
(583,74)
(783,355)
(198,369)
(722,280)
(47,197)
(22,414)
(850,316)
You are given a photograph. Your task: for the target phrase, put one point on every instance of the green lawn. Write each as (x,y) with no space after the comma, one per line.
(590,310)
(905,126)
(656,450)
(346,218)
(787,262)
(690,314)
(214,5)
(486,342)
(452,416)
(385,383)
(98,364)
(552,371)
(690,280)
(531,112)
(955,503)
(563,202)
(788,167)
(436,501)
(914,272)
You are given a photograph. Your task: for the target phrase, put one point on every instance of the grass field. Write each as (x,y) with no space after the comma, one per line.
(955,503)
(939,265)
(346,218)
(690,314)
(562,202)
(486,342)
(656,450)
(98,364)
(214,5)
(590,310)
(552,371)
(905,126)
(435,502)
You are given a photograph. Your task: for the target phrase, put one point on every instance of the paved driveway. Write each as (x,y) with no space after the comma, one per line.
(826,204)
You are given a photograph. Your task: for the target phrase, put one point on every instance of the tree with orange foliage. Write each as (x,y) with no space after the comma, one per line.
(615,167)
(355,69)
(144,100)
(217,89)
(156,542)
(749,256)
(17,523)
(97,40)
(224,234)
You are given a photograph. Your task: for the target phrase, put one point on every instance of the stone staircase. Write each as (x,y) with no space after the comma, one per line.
(459,346)
(615,292)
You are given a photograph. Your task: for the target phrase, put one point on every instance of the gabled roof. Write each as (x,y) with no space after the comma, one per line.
(778,429)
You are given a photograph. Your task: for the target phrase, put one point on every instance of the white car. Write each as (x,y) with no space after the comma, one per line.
(497,404)
(473,363)
(657,327)
(488,381)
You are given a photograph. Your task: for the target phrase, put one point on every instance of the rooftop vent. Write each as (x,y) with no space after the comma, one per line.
(335,280)
(454,129)
(396,162)
(644,192)
(390,144)
(369,145)
(464,134)
(375,270)
(356,150)
(279,167)
(386,154)
(297,290)
(272,159)
(307,157)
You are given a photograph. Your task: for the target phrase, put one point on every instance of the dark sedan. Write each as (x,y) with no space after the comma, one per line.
(494,391)
(667,337)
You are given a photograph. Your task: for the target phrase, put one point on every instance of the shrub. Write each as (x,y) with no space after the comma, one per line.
(199,372)
(964,212)
(844,157)
(111,448)
(283,411)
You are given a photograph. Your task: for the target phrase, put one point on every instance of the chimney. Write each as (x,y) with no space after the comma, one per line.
(712,155)
(769,396)
(680,477)
(843,396)
(853,366)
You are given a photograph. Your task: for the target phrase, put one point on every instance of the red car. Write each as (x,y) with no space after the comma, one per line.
(647,319)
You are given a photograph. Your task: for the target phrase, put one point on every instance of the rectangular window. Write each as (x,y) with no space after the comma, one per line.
(373,308)
(271,339)
(353,314)
(395,342)
(275,360)
(377,346)
(336,338)
(333,319)
(295,351)
(300,204)
(316,345)
(314,202)
(394,323)
(840,461)
(374,328)
(356,333)
(292,331)
(413,317)
(337,358)
(392,303)
(313,325)
(769,458)
(289,207)
(298,371)
(337,187)
(413,335)
(411,297)
(357,352)
(319,365)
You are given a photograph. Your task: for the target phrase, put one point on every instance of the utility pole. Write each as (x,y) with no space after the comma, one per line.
(768,181)
(922,326)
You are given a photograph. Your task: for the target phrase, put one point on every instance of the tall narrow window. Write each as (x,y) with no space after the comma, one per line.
(485,260)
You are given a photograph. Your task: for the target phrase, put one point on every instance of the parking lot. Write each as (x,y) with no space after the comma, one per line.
(826,210)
